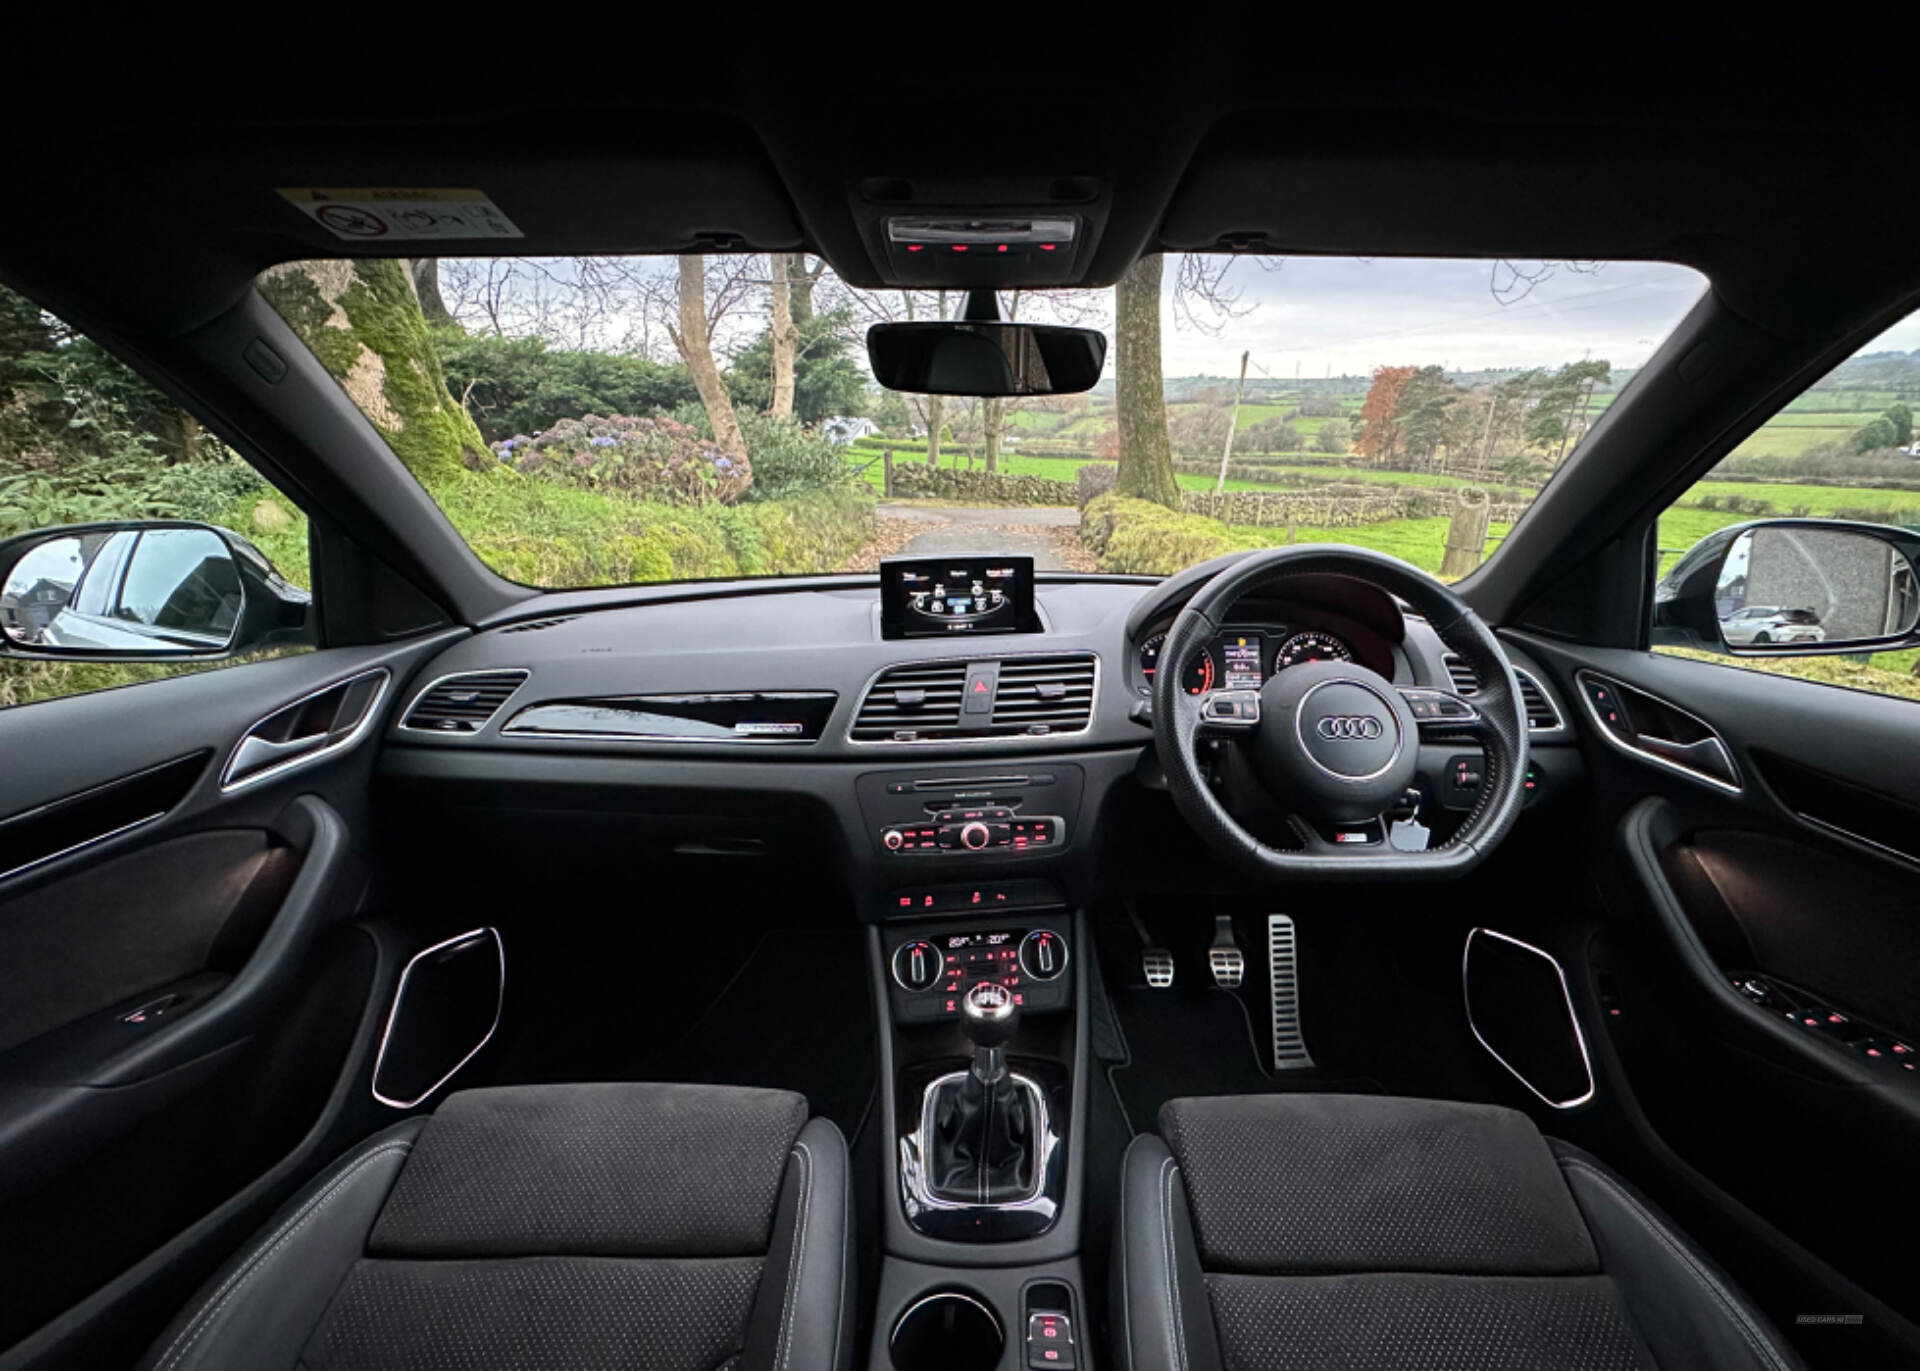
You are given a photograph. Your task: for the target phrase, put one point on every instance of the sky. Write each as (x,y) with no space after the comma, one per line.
(1315,316)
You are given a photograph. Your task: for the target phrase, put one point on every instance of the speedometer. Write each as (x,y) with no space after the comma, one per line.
(1311,646)
(1198,678)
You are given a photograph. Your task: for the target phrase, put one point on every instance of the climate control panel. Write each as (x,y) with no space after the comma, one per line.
(982,828)
(932,970)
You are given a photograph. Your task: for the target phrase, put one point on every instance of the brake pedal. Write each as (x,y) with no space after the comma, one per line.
(1224,958)
(1157,964)
(1289,1039)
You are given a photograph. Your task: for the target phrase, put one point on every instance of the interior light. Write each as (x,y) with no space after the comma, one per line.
(1046,247)
(1002,247)
(959,247)
(913,247)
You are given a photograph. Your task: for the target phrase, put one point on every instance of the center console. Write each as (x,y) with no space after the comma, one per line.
(982,996)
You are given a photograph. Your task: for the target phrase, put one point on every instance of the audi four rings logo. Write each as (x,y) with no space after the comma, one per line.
(1358,727)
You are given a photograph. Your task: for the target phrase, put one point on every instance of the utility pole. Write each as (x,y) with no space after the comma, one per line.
(1233,424)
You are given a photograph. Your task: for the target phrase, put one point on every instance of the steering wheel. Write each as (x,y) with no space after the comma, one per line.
(1335,743)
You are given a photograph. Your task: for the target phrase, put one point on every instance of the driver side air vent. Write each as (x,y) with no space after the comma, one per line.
(1044,695)
(462,705)
(1542,717)
(911,704)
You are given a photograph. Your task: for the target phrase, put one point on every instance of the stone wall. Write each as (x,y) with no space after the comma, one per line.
(916,481)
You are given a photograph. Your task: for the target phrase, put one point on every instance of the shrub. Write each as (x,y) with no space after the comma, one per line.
(1336,435)
(788,460)
(1139,536)
(649,459)
(1094,480)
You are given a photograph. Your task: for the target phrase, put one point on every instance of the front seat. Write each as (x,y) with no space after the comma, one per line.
(676,1227)
(1337,1232)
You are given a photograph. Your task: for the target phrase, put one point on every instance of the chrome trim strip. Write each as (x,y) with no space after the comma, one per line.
(1619,745)
(1579,1036)
(1848,835)
(360,729)
(1020,955)
(393,1013)
(901,1322)
(80,846)
(526,674)
(1001,739)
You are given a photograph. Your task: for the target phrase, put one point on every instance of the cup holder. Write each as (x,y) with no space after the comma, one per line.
(947,1331)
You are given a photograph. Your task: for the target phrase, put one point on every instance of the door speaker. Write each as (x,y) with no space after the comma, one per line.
(444,1010)
(1519,1008)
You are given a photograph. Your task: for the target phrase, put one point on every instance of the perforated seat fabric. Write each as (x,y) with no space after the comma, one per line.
(591,1227)
(1336,1233)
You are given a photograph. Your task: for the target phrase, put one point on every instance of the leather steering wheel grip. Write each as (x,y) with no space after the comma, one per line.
(1176,719)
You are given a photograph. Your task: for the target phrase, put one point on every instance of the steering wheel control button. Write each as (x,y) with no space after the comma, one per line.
(917,966)
(1231,709)
(1043,954)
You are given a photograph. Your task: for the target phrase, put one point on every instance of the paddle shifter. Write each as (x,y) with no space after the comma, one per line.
(982,1146)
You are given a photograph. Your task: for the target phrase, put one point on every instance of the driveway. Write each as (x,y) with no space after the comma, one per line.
(991,528)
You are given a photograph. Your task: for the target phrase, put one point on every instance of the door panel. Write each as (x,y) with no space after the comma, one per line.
(187,992)
(1759,963)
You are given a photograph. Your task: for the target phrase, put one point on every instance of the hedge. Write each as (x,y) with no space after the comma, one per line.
(1139,536)
(917,481)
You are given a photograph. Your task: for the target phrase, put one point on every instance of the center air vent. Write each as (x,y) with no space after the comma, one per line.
(912,704)
(460,705)
(1033,697)
(1542,717)
(1044,695)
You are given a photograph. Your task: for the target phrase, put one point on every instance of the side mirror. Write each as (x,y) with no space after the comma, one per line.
(1793,587)
(143,590)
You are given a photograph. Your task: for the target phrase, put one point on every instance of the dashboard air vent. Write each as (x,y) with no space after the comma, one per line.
(535,625)
(1542,717)
(1042,695)
(912,703)
(462,704)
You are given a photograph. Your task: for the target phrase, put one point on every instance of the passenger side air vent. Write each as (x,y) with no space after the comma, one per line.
(535,625)
(1542,717)
(462,704)
(1044,695)
(912,704)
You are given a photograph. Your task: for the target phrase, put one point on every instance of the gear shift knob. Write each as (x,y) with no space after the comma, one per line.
(988,1016)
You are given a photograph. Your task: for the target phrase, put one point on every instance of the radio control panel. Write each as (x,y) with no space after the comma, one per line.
(981,828)
(931,970)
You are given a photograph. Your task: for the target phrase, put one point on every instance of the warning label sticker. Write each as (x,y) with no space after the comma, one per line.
(401,213)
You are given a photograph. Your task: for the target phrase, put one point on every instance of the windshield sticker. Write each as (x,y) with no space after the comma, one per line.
(401,213)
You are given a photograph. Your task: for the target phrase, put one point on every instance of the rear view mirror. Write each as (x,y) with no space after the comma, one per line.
(142,591)
(1794,587)
(986,358)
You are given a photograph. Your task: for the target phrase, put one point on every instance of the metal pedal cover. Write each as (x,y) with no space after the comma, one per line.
(1157,963)
(1224,958)
(1289,1041)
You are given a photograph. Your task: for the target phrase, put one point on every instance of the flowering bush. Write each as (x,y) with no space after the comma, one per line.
(648,459)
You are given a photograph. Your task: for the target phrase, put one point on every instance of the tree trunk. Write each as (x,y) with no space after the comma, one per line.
(426,284)
(995,421)
(695,343)
(784,338)
(936,416)
(1140,402)
(802,282)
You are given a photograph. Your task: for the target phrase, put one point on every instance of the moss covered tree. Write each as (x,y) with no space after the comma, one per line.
(362,319)
(1140,402)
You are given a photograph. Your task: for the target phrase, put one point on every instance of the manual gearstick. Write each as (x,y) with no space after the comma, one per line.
(988,1016)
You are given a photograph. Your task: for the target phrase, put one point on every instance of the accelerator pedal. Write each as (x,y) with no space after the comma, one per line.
(1289,1041)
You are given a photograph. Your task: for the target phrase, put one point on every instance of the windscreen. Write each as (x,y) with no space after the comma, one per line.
(602,421)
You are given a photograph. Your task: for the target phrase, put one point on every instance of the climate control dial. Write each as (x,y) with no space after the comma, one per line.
(917,965)
(1043,954)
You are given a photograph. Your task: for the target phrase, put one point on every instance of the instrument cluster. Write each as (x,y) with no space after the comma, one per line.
(1246,658)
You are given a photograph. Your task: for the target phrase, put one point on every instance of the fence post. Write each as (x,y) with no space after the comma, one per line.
(886,472)
(1467,533)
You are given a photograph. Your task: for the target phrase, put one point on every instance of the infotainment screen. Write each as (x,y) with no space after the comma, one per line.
(931,597)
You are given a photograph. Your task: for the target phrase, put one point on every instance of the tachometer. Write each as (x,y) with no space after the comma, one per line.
(1311,646)
(1198,678)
